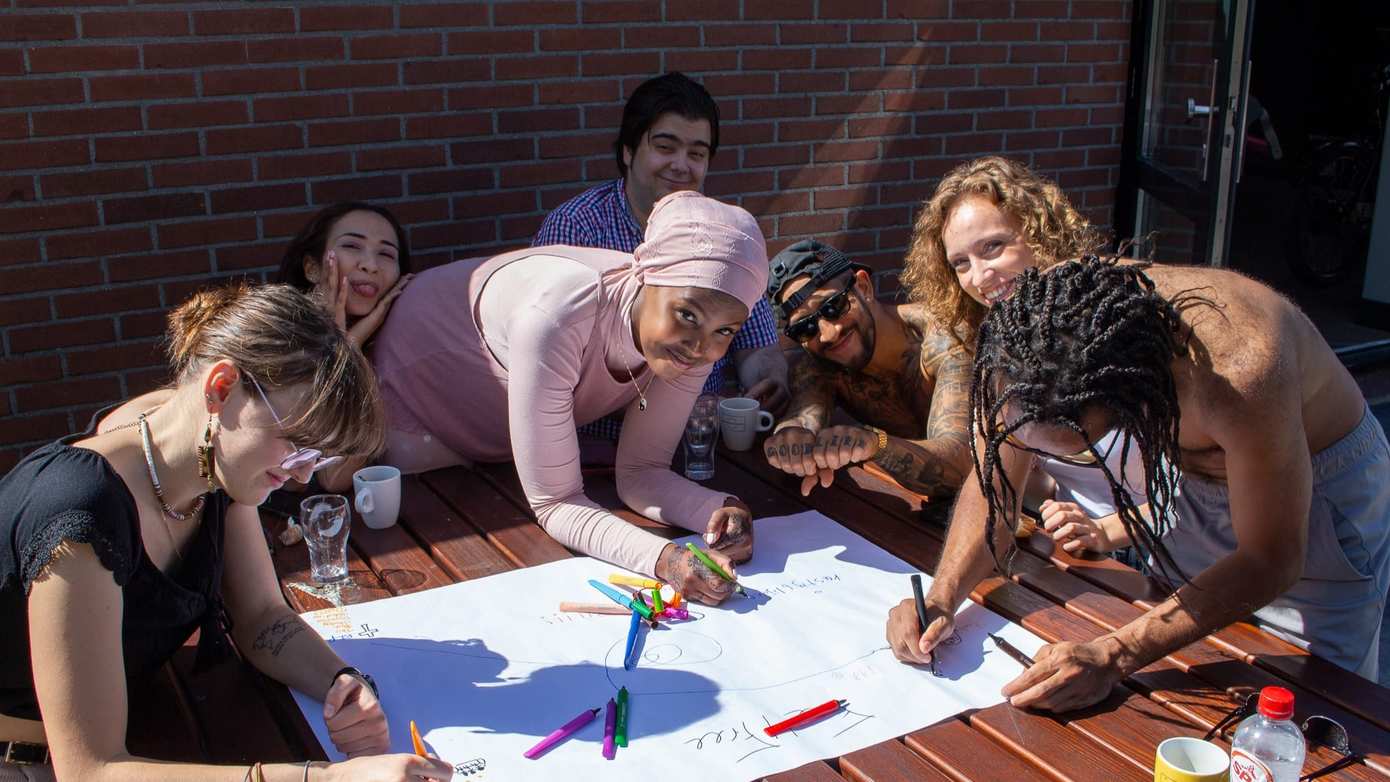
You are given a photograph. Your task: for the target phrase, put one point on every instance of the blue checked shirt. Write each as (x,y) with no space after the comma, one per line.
(599,217)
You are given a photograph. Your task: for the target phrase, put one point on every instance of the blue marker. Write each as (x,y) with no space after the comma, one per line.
(632,629)
(622,599)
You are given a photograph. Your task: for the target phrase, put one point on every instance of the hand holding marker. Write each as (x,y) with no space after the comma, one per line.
(714,567)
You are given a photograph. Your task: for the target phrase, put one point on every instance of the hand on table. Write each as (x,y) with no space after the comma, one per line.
(911,643)
(692,578)
(789,450)
(1071,528)
(355,719)
(730,530)
(390,768)
(1067,676)
(837,447)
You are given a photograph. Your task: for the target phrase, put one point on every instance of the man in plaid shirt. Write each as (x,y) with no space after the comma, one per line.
(669,132)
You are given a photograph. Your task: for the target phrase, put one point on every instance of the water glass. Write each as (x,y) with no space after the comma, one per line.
(700,431)
(324,519)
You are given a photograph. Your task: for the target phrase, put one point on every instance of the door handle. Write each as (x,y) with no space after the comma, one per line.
(1209,111)
(1195,109)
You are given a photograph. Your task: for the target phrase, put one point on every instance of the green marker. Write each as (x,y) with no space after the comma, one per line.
(709,563)
(620,731)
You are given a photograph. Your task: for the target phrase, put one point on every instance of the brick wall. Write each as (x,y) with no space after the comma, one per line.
(147,149)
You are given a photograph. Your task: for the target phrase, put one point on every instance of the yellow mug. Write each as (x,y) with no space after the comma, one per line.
(1186,759)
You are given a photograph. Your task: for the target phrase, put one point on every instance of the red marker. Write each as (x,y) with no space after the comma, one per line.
(804,717)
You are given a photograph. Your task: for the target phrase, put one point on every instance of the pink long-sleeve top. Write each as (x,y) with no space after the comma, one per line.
(500,359)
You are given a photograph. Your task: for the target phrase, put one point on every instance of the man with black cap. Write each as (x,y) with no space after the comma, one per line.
(887,364)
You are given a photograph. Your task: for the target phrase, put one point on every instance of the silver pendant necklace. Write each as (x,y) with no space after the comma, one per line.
(641,397)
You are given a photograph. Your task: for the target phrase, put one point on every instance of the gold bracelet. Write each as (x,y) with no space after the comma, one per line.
(259,775)
(882,438)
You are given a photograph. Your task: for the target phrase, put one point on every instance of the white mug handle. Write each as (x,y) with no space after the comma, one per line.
(364,502)
(765,421)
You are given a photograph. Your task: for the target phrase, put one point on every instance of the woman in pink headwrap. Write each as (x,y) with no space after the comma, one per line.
(500,359)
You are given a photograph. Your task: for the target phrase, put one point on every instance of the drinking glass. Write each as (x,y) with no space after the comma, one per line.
(324,518)
(700,432)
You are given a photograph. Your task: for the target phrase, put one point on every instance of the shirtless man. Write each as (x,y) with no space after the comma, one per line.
(907,381)
(1276,474)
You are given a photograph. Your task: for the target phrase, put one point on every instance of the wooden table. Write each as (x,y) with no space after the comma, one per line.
(460,524)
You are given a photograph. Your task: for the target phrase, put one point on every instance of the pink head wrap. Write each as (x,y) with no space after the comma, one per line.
(697,241)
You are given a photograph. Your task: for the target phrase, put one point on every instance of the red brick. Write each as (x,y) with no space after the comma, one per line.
(918,9)
(881,79)
(850,150)
(1036,53)
(386,158)
(386,47)
(300,106)
(81,122)
(16,251)
(43,154)
(198,115)
(811,130)
(37,27)
(776,107)
(711,10)
(920,100)
(357,189)
(30,369)
(152,207)
(29,279)
(194,55)
(1051,118)
(1097,94)
(491,96)
(582,145)
(740,35)
(1063,74)
(858,173)
(201,233)
(142,87)
(492,42)
(202,172)
(157,265)
(107,301)
(13,126)
(584,39)
(257,198)
(100,181)
(327,77)
(1089,53)
(260,139)
(1009,31)
(603,116)
(880,126)
(12,62)
(347,17)
(1041,9)
(811,176)
(244,21)
(1098,9)
(492,151)
(535,120)
(974,143)
(95,244)
(46,217)
(30,428)
(511,68)
(425,210)
(1085,137)
(282,49)
(242,81)
(779,9)
(134,24)
(323,134)
(521,13)
(776,59)
(303,166)
(39,92)
(116,358)
(25,311)
(444,15)
(620,11)
(451,125)
(284,224)
(1110,72)
(849,57)
(583,91)
(448,71)
(1069,31)
(397,102)
(1006,75)
(146,147)
(252,256)
(981,9)
(72,59)
(802,83)
(976,54)
(62,334)
(975,99)
(465,233)
(777,203)
(1029,140)
(804,225)
(530,174)
(778,155)
(700,61)
(1005,120)
(152,324)
(1034,96)
(661,37)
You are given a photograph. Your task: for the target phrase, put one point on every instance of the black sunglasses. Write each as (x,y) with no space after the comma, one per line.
(832,309)
(1317,730)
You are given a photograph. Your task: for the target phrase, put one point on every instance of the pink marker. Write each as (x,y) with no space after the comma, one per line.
(561,733)
(610,723)
(675,613)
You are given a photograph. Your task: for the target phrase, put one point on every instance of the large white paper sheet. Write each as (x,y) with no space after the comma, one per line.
(489,667)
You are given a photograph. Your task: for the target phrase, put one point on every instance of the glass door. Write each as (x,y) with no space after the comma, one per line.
(1184,128)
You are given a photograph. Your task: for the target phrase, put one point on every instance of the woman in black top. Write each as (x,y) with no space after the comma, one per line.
(115,547)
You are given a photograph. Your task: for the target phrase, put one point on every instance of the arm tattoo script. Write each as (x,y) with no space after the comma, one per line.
(279,633)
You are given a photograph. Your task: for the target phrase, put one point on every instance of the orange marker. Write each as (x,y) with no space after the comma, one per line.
(415,739)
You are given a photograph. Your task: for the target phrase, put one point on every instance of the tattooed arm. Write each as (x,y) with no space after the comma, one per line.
(938,463)
(813,397)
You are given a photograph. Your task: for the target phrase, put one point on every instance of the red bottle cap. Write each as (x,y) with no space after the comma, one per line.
(1276,703)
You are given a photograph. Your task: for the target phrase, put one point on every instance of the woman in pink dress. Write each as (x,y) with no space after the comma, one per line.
(499,359)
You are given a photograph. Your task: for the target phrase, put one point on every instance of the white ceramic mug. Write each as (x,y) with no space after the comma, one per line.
(740,419)
(377,495)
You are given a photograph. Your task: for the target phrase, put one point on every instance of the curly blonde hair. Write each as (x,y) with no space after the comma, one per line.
(1051,227)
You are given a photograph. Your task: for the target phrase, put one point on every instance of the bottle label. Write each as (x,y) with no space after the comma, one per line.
(1248,768)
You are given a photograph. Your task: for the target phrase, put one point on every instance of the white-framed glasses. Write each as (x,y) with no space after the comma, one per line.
(301,456)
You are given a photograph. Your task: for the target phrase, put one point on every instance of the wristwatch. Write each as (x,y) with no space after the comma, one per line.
(353,671)
(882,438)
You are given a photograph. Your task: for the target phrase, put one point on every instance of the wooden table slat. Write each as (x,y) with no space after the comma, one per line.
(819,771)
(1063,754)
(505,524)
(966,755)
(889,761)
(397,558)
(454,542)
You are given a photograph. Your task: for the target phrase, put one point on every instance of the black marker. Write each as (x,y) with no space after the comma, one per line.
(921,603)
(1012,651)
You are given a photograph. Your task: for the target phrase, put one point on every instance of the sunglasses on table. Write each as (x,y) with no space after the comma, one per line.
(1083,458)
(832,309)
(1317,730)
(301,457)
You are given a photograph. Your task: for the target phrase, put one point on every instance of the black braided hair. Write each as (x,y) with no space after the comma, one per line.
(1083,334)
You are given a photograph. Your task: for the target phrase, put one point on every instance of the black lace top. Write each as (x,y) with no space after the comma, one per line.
(60,493)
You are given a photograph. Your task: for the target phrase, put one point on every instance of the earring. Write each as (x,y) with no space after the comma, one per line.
(205,457)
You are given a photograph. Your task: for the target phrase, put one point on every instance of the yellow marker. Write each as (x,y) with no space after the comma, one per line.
(415,739)
(634,581)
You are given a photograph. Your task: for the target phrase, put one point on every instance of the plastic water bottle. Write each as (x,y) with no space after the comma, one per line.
(1268,747)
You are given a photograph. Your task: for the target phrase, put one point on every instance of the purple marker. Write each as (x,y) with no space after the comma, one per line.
(675,613)
(610,723)
(561,733)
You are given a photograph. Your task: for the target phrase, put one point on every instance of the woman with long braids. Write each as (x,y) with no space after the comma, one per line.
(988,221)
(1282,503)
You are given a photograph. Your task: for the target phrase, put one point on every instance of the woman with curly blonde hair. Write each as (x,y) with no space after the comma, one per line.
(998,218)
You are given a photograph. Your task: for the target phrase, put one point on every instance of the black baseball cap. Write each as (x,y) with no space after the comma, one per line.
(807,256)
